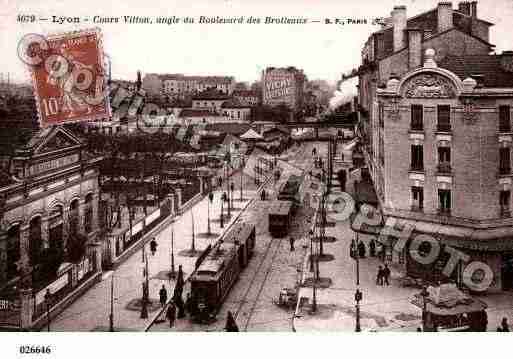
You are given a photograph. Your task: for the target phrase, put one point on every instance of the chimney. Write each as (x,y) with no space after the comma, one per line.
(473,9)
(464,7)
(399,24)
(444,16)
(414,48)
(507,61)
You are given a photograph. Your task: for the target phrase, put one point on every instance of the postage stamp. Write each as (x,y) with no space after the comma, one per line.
(68,74)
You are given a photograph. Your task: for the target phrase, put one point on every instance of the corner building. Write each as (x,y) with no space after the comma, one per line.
(435,126)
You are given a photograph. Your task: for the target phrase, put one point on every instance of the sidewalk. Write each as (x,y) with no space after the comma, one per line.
(383,308)
(91,311)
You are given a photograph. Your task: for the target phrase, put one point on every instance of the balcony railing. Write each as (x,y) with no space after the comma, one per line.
(505,212)
(416,127)
(416,168)
(444,168)
(443,127)
(505,127)
(444,211)
(416,208)
(504,170)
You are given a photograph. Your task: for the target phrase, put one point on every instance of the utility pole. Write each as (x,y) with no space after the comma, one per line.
(145,285)
(111,316)
(221,219)
(193,247)
(357,259)
(210,199)
(172,274)
(241,175)
(358,297)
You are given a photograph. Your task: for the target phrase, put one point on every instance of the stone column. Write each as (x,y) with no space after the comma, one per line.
(202,183)
(178,199)
(95,219)
(24,266)
(65,227)
(171,203)
(27,308)
(45,232)
(81,215)
(96,257)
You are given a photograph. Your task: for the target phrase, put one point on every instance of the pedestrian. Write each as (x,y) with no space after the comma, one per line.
(504,325)
(379,277)
(171,314)
(361,249)
(220,181)
(153,246)
(372,248)
(386,274)
(163,295)
(291,240)
(231,325)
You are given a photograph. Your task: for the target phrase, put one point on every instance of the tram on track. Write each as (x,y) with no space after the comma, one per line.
(289,191)
(280,215)
(220,267)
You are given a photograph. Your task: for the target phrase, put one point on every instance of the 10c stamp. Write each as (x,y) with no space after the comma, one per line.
(68,76)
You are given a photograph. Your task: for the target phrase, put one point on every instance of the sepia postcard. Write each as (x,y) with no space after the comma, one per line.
(255,166)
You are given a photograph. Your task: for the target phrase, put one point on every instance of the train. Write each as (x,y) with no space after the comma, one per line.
(219,267)
(280,215)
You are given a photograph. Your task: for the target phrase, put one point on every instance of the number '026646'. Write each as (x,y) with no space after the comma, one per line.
(35,349)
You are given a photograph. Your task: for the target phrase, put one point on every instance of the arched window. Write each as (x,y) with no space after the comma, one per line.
(55,224)
(13,250)
(35,240)
(73,217)
(88,215)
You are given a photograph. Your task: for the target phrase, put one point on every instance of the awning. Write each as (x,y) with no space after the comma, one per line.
(471,306)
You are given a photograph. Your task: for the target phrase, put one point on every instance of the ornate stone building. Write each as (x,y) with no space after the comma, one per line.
(435,125)
(49,199)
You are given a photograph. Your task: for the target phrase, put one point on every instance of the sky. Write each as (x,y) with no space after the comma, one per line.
(243,51)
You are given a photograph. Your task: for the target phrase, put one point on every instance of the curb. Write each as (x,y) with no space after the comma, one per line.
(225,230)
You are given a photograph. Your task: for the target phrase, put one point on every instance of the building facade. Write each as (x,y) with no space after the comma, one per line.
(49,199)
(435,124)
(283,86)
(180,86)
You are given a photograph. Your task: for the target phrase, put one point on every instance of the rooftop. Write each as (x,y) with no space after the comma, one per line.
(494,75)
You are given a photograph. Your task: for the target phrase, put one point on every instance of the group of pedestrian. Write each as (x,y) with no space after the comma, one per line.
(357,249)
(176,307)
(383,277)
(504,325)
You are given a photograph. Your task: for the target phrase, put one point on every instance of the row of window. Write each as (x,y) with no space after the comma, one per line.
(55,223)
(444,159)
(417,159)
(445,203)
(444,118)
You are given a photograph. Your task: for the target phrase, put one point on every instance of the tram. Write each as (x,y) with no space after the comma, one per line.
(280,215)
(289,191)
(220,268)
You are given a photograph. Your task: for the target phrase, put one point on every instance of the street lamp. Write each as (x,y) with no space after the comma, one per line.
(172,273)
(145,288)
(311,234)
(221,219)
(241,175)
(48,296)
(358,296)
(424,293)
(210,200)
(111,316)
(232,189)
